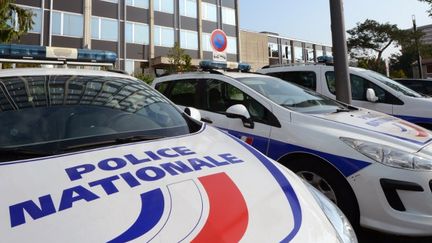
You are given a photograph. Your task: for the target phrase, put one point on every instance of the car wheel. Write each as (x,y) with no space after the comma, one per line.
(330,182)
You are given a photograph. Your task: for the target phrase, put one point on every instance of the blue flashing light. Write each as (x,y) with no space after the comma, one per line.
(207,64)
(96,56)
(16,51)
(244,67)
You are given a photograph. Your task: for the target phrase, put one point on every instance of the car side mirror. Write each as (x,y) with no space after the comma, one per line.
(240,111)
(370,95)
(192,112)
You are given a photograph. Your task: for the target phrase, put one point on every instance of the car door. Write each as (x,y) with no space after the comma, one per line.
(212,97)
(219,96)
(359,86)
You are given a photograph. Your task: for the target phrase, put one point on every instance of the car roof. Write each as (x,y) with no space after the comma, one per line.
(233,75)
(58,71)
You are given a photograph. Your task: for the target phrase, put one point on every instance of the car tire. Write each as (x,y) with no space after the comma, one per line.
(331,180)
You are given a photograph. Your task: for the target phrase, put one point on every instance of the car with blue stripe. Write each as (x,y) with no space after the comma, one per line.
(369,89)
(96,156)
(377,168)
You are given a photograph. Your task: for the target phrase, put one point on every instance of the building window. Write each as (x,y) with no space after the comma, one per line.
(130,66)
(309,55)
(67,24)
(286,52)
(163,36)
(209,12)
(228,16)
(188,8)
(137,33)
(111,1)
(232,45)
(189,39)
(138,3)
(37,19)
(104,29)
(166,6)
(206,45)
(298,54)
(273,50)
(319,53)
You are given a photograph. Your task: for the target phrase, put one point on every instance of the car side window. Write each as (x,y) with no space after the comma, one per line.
(184,92)
(162,87)
(220,96)
(303,78)
(359,86)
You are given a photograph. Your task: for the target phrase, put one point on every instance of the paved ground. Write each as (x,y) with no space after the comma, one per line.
(368,236)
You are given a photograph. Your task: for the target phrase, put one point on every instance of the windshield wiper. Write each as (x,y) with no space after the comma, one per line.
(11,154)
(114,141)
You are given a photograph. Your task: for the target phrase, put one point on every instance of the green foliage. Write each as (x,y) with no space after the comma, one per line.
(370,38)
(429,11)
(398,74)
(404,61)
(144,77)
(12,28)
(372,64)
(179,60)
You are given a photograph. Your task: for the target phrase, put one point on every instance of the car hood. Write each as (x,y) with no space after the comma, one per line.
(199,187)
(389,126)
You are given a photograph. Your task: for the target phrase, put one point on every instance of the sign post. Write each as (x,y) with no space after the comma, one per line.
(219,42)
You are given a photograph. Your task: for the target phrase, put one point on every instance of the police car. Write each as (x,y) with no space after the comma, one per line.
(369,90)
(377,168)
(95,156)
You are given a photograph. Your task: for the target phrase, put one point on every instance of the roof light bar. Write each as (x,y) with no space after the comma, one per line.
(17,52)
(212,65)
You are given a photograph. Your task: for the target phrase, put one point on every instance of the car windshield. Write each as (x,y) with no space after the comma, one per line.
(292,96)
(54,112)
(393,84)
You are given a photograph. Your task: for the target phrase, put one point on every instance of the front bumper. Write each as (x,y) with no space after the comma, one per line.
(394,201)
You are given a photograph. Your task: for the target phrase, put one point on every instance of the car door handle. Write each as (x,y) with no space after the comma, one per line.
(206,120)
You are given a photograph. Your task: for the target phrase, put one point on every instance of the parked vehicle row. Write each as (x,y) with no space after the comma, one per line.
(93,156)
(369,90)
(375,167)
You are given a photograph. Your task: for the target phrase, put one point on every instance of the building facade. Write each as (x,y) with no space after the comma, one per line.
(266,48)
(141,32)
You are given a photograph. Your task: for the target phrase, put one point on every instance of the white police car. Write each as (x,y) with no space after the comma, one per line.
(91,156)
(369,90)
(377,168)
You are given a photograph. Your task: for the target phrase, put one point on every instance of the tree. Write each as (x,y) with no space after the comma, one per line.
(404,60)
(429,11)
(14,21)
(179,60)
(371,38)
(372,64)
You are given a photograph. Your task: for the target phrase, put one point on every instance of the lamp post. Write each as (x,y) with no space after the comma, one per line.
(419,61)
(340,50)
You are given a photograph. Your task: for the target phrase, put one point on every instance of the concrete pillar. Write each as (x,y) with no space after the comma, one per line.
(200,32)
(87,24)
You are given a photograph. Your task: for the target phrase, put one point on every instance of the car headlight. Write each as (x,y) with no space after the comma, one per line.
(389,156)
(342,226)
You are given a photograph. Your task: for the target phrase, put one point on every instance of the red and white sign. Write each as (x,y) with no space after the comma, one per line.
(219,43)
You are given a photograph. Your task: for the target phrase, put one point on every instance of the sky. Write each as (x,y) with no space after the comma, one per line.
(310,19)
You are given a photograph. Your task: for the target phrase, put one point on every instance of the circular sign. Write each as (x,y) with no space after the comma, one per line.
(218,40)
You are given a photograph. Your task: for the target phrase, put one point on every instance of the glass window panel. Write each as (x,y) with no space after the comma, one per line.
(141,4)
(129,2)
(109,29)
(129,32)
(56,23)
(298,54)
(141,34)
(209,12)
(228,16)
(37,19)
(73,25)
(166,6)
(157,37)
(167,37)
(206,42)
(130,66)
(95,28)
(188,8)
(232,45)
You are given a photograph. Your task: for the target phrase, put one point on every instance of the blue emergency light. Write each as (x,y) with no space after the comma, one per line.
(33,52)
(214,65)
